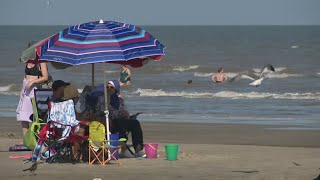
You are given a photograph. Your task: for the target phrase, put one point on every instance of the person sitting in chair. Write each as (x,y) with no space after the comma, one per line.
(119,117)
(62,92)
(71,92)
(58,87)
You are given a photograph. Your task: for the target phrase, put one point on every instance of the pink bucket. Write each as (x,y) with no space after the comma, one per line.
(151,150)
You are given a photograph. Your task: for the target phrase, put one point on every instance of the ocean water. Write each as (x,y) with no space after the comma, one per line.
(290,96)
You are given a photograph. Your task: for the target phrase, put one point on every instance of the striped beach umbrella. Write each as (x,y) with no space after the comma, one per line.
(97,42)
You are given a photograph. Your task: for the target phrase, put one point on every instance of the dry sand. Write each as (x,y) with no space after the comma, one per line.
(207,151)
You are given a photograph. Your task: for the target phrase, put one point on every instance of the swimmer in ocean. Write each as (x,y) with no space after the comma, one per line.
(220,77)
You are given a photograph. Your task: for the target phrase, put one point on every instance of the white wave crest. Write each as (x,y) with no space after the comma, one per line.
(228,74)
(227,94)
(158,93)
(199,74)
(278,75)
(231,74)
(9,93)
(182,69)
(257,95)
(5,88)
(277,69)
(111,72)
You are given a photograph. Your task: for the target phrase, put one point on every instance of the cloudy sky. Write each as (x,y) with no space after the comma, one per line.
(161,12)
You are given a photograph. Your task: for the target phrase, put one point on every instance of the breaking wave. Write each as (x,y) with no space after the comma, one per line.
(182,69)
(9,90)
(226,94)
(199,74)
(5,88)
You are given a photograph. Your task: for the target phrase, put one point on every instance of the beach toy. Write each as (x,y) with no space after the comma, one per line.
(172,151)
(27,156)
(151,150)
(19,148)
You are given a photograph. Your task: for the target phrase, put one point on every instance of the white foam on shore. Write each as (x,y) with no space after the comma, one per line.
(182,69)
(226,94)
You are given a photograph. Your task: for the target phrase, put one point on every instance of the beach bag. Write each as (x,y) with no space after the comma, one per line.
(29,139)
(47,84)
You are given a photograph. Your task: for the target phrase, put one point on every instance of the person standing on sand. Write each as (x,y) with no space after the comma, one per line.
(220,77)
(125,75)
(34,74)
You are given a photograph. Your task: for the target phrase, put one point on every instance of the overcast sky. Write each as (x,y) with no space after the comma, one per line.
(161,12)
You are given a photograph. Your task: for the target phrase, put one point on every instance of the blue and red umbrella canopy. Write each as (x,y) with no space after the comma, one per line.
(97,42)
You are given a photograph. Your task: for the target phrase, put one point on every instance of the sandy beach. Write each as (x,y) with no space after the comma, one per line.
(207,151)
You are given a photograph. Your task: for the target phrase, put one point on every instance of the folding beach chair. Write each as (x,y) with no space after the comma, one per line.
(55,139)
(99,146)
(40,104)
(60,134)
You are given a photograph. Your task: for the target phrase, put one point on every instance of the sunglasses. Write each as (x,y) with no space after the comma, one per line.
(110,87)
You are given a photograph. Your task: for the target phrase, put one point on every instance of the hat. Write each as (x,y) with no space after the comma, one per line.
(111,83)
(70,92)
(58,83)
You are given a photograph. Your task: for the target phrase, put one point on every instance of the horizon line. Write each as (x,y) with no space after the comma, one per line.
(172,24)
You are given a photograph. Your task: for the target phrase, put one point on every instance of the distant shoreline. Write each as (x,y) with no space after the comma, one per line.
(169,25)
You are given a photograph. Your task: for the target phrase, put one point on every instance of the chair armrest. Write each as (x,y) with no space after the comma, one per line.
(84,123)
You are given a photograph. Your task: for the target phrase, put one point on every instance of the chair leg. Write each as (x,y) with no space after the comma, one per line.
(112,155)
(89,152)
(96,156)
(103,159)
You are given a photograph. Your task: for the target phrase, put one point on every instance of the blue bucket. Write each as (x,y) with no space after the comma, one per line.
(114,142)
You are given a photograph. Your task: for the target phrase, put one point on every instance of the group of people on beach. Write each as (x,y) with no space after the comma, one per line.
(37,76)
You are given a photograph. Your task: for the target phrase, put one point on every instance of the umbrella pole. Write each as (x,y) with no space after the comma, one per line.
(92,70)
(106,101)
